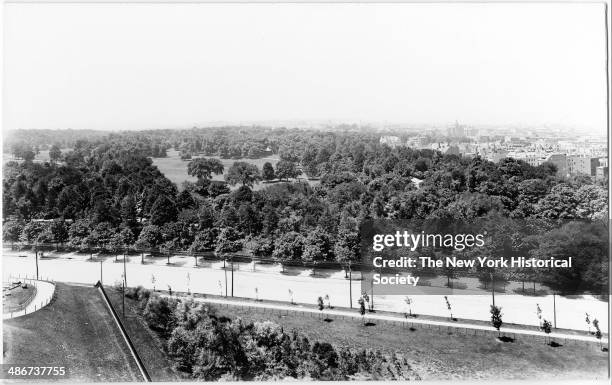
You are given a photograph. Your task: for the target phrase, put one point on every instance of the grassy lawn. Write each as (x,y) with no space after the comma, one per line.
(437,354)
(76,331)
(149,345)
(175,169)
(17,298)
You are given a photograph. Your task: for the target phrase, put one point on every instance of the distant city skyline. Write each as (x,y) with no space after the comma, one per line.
(184,65)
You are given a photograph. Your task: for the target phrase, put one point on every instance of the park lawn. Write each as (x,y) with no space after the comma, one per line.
(175,169)
(17,298)
(77,331)
(149,345)
(439,355)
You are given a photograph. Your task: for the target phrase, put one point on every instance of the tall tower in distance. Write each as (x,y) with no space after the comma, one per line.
(456,130)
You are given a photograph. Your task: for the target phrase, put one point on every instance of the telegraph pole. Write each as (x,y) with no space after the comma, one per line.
(124,269)
(554,311)
(493,288)
(350,286)
(36,256)
(101,272)
(225,271)
(123,299)
(232,262)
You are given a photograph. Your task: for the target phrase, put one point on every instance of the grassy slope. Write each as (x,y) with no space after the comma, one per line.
(76,331)
(437,354)
(148,344)
(433,354)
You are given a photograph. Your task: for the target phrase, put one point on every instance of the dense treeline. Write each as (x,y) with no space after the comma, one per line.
(107,194)
(209,347)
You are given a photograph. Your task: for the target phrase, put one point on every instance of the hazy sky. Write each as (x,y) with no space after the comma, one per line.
(135,66)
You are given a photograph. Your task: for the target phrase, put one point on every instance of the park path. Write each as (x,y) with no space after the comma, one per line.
(411,321)
(44,294)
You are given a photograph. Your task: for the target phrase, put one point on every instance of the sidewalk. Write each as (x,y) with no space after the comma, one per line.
(411,321)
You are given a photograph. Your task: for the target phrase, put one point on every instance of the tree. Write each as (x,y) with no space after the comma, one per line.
(204,168)
(149,238)
(448,306)
(588,322)
(496,318)
(128,211)
(409,301)
(204,241)
(288,247)
(55,153)
(78,231)
(317,246)
(362,309)
(286,169)
(268,172)
(163,211)
(11,230)
(31,231)
(243,172)
(59,231)
(228,241)
(320,305)
(598,334)
(547,328)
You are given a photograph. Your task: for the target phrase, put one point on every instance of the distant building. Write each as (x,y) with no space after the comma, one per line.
(456,130)
(582,165)
(601,172)
(559,160)
(537,158)
(532,158)
(453,150)
(390,140)
(603,161)
(498,155)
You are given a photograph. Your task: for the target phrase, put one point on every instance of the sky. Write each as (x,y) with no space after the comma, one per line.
(142,66)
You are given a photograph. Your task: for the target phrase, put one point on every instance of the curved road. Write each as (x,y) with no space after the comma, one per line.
(44,294)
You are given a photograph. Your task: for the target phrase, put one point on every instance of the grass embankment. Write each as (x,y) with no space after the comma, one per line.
(77,331)
(149,345)
(17,298)
(435,354)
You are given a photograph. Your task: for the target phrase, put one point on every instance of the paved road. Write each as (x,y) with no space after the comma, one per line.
(370,317)
(271,284)
(44,294)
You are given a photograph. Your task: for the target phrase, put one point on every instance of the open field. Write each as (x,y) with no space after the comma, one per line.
(76,331)
(175,169)
(42,156)
(437,355)
(16,298)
